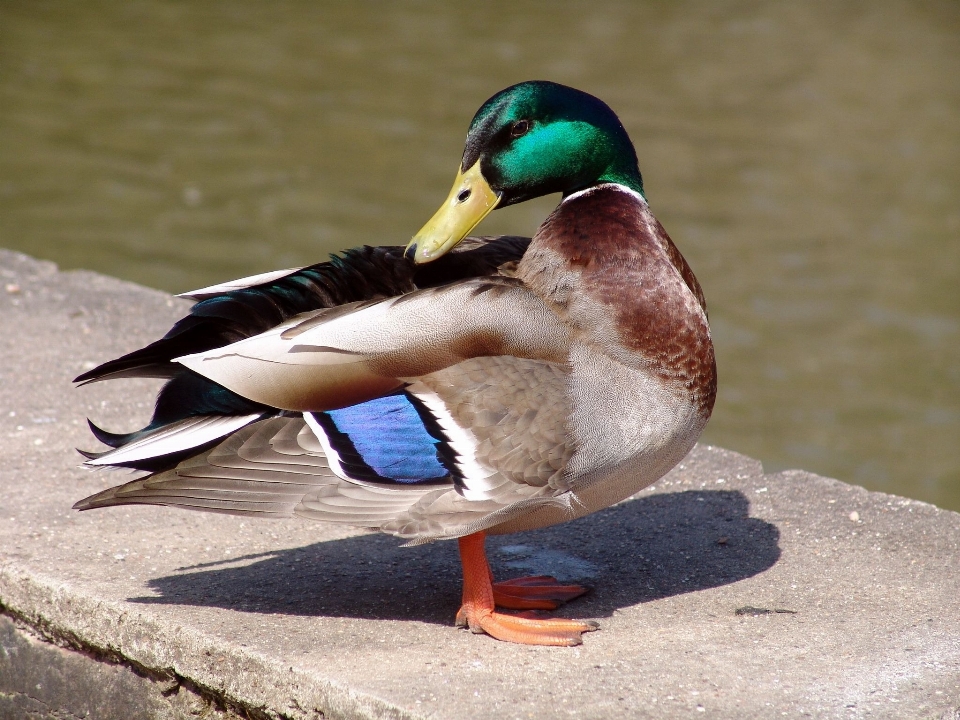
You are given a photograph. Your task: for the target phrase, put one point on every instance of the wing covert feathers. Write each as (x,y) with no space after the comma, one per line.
(331,359)
(235,310)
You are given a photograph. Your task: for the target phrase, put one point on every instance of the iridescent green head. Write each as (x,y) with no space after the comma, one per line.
(529,140)
(539,137)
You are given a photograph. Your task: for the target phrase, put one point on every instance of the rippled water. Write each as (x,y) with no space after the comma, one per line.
(804,157)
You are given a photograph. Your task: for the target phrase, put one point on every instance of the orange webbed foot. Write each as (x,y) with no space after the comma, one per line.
(480,595)
(540,592)
(526,629)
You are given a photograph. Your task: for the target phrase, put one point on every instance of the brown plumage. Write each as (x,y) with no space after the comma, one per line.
(503,387)
(604,247)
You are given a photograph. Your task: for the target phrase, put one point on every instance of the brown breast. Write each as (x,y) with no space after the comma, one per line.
(607,266)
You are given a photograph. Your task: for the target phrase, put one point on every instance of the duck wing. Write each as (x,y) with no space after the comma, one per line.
(342,356)
(480,443)
(244,308)
(264,469)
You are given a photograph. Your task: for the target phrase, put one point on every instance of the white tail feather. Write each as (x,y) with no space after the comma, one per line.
(181,435)
(242,283)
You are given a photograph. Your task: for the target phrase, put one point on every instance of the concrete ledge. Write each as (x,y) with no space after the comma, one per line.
(721,592)
(42,680)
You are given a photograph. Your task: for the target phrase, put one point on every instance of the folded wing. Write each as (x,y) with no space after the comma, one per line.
(346,355)
(456,451)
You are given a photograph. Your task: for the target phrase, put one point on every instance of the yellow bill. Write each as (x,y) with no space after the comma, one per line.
(469,202)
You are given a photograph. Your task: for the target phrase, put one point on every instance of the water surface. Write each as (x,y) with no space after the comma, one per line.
(803,156)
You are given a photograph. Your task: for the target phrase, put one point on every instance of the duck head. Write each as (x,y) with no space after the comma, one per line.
(532,139)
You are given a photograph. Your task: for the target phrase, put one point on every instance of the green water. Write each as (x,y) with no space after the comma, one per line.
(805,157)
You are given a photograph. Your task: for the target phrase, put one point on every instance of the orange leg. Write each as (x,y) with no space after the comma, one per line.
(477,611)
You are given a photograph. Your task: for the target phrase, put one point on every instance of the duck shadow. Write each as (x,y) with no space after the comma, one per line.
(646,549)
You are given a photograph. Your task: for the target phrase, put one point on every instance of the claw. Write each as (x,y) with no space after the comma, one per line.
(480,595)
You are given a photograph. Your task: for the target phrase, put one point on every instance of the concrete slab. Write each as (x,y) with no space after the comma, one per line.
(721,591)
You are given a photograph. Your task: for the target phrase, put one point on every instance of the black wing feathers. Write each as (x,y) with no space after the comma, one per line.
(366,273)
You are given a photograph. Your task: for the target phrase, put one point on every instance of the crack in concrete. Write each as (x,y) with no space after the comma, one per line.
(56,713)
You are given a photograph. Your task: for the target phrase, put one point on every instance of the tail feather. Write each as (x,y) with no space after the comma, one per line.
(114,440)
(90,455)
(174,439)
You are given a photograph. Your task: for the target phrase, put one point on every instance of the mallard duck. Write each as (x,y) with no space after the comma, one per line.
(452,388)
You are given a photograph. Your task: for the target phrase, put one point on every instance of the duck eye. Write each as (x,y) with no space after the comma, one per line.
(463,196)
(519,128)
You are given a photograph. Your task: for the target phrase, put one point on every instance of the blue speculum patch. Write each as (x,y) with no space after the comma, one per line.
(388,436)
